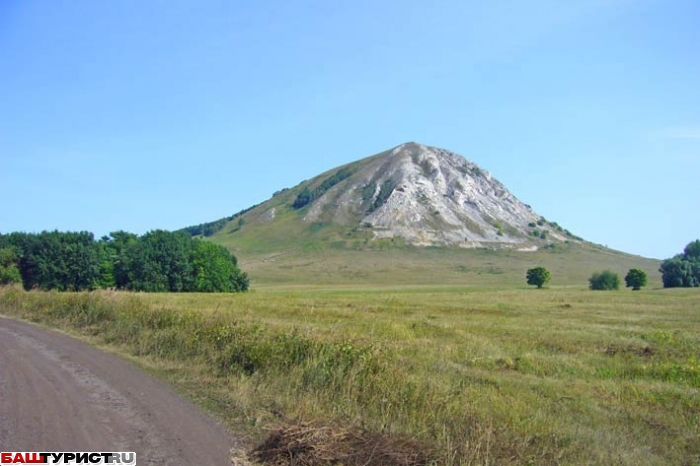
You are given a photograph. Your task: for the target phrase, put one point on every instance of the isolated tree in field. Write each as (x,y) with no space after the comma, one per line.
(538,276)
(636,279)
(605,280)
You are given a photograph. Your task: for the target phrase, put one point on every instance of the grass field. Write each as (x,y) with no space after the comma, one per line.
(471,375)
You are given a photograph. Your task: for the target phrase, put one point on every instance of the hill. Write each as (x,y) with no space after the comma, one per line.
(411,214)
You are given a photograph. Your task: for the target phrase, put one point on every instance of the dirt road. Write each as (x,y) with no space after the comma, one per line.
(59,394)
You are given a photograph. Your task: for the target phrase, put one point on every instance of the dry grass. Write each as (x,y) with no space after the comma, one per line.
(307,444)
(562,376)
(389,264)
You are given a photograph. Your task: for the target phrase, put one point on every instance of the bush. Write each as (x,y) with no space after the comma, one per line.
(636,279)
(605,280)
(538,276)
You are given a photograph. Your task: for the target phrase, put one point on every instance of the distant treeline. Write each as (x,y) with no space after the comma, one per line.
(307,196)
(157,261)
(209,228)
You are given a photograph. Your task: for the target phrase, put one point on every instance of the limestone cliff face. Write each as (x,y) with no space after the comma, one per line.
(426,196)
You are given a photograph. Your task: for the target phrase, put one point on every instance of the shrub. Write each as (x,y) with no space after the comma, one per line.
(605,280)
(636,279)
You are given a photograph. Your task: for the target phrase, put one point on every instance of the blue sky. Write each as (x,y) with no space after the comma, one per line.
(141,115)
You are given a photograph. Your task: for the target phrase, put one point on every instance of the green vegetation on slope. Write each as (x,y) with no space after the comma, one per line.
(558,376)
(308,195)
(209,228)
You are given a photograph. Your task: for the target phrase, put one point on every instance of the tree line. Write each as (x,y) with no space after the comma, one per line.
(156,261)
(210,228)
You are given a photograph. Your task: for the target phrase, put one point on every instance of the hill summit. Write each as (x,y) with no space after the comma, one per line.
(414,194)
(428,196)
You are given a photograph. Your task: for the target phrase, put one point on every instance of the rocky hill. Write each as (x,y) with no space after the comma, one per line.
(412,215)
(430,196)
(415,194)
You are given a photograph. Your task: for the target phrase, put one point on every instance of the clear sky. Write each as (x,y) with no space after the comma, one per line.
(137,115)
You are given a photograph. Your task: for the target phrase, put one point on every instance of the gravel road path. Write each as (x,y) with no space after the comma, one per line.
(59,394)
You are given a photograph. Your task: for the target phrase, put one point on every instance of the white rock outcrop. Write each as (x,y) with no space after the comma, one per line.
(429,196)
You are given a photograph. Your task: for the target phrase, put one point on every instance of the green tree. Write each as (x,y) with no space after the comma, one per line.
(116,256)
(57,260)
(636,279)
(9,269)
(538,276)
(677,272)
(605,280)
(215,269)
(159,261)
(107,260)
(692,251)
(682,270)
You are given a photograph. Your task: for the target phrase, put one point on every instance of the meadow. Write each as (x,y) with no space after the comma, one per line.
(452,375)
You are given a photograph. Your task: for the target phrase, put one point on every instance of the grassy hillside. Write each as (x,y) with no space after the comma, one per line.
(562,376)
(275,225)
(286,250)
(276,246)
(386,262)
